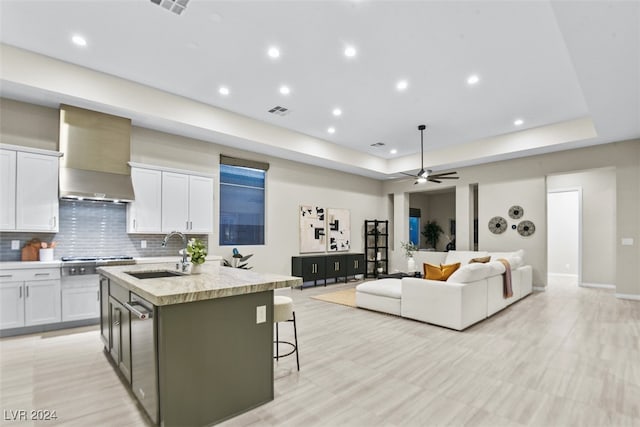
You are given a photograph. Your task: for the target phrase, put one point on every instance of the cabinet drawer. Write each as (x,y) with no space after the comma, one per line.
(22,275)
(118,292)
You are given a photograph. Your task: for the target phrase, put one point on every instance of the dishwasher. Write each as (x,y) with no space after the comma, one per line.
(144,367)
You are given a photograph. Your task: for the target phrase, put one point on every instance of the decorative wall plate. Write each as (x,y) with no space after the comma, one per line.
(497,225)
(516,212)
(526,228)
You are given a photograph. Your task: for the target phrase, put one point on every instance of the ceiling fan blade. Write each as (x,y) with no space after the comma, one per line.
(443,173)
(433,180)
(408,174)
(445,177)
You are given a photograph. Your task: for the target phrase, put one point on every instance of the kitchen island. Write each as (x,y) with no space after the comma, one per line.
(195,349)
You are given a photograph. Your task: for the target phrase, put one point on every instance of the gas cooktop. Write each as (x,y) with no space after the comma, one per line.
(96,258)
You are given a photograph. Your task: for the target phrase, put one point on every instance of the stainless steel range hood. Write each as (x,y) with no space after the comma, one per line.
(96,148)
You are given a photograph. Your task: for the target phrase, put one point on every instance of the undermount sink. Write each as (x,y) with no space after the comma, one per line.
(154,274)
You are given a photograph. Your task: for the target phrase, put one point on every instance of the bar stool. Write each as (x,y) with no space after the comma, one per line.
(283,312)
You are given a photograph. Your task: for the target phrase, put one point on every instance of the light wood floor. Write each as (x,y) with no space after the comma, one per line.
(568,356)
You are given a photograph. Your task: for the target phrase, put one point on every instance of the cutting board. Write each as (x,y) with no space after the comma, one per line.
(31,250)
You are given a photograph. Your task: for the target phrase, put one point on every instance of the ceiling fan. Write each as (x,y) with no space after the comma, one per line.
(425,175)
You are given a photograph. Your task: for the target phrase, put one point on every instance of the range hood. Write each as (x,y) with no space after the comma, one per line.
(96,149)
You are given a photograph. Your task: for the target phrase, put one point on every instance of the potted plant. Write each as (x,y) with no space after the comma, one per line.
(409,249)
(432,232)
(198,254)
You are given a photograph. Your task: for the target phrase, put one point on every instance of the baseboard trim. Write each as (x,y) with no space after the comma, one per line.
(628,296)
(540,288)
(597,285)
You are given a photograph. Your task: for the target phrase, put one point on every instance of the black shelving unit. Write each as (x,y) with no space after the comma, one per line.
(376,241)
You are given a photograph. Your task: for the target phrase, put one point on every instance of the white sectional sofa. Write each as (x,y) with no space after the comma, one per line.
(471,294)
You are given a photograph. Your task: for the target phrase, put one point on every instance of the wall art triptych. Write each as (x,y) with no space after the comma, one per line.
(324,229)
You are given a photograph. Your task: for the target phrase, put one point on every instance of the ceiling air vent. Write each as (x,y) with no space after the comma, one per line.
(175,6)
(378,144)
(280,111)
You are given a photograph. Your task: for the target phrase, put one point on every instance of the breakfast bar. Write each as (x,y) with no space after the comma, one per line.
(195,349)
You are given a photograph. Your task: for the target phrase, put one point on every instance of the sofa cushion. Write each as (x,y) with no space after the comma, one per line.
(482,259)
(471,273)
(391,288)
(442,272)
(515,259)
(463,257)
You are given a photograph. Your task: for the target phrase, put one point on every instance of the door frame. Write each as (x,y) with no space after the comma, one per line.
(569,190)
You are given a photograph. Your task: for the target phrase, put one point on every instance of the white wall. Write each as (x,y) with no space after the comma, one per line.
(598,221)
(495,199)
(563,247)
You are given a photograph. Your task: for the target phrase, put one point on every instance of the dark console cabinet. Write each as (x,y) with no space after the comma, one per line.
(309,268)
(355,264)
(331,266)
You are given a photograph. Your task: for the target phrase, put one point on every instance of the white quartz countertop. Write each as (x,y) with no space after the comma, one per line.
(214,281)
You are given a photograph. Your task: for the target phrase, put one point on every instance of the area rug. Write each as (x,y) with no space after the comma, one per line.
(345,297)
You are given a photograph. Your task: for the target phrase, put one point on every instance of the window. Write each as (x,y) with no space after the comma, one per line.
(241,202)
(414,226)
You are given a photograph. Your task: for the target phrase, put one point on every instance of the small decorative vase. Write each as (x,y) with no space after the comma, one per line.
(196,268)
(411,265)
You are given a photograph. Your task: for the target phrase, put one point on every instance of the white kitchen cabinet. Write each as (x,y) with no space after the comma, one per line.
(11,304)
(29,297)
(200,204)
(175,202)
(187,203)
(36,192)
(7,190)
(144,215)
(42,302)
(80,303)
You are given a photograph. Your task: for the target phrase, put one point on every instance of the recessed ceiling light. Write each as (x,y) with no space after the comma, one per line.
(223,90)
(473,79)
(402,85)
(273,52)
(285,90)
(331,130)
(350,51)
(393,151)
(337,112)
(78,40)
(518,122)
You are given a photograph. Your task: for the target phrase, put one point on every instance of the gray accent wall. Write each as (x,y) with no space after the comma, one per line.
(93,228)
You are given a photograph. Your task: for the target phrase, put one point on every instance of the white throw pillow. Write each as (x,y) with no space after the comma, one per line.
(516,259)
(470,273)
(496,268)
(463,257)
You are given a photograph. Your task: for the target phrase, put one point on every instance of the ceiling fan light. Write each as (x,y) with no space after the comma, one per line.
(421,180)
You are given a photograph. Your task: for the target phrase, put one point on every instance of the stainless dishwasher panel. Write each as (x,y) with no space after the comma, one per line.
(144,367)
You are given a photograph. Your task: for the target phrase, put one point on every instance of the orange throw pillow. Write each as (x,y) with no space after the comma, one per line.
(483,259)
(441,273)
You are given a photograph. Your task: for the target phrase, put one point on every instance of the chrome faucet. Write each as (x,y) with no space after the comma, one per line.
(185,264)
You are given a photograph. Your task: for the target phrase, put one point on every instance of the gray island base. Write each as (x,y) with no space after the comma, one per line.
(193,348)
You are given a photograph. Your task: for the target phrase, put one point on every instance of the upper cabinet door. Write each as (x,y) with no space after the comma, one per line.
(200,204)
(36,192)
(144,215)
(7,190)
(175,202)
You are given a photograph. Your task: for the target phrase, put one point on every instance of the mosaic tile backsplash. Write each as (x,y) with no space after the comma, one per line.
(94,228)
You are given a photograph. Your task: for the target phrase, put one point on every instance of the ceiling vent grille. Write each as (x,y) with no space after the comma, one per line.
(378,144)
(280,111)
(175,6)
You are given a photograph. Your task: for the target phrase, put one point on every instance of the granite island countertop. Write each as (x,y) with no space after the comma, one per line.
(214,281)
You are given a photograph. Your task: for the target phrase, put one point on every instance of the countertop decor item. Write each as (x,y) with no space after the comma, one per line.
(497,225)
(198,253)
